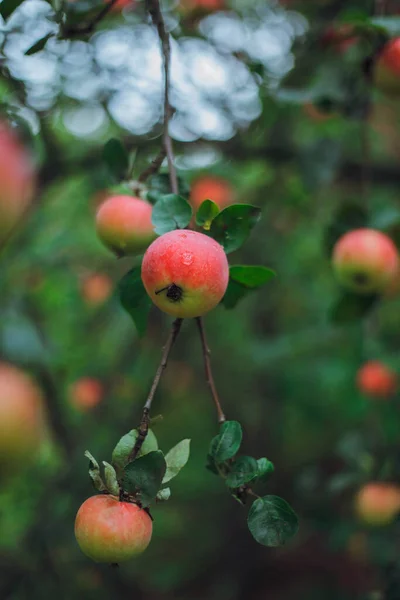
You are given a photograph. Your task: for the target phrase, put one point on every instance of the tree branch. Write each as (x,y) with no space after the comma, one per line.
(91,26)
(154,167)
(208,370)
(145,421)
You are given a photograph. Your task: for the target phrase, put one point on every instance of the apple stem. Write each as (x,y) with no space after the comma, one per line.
(208,370)
(145,420)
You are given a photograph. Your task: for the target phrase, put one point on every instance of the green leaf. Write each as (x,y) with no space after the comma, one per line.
(391,25)
(176,459)
(211,466)
(160,184)
(94,473)
(116,158)
(39,45)
(144,476)
(265,469)
(134,298)
(352,307)
(349,216)
(271,521)
(122,451)
(227,443)
(7,7)
(243,470)
(234,292)
(164,494)
(207,212)
(171,212)
(232,226)
(111,479)
(243,279)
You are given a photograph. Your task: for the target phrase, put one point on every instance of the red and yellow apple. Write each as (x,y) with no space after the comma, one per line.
(124,224)
(110,531)
(210,187)
(96,288)
(365,261)
(17,180)
(376,380)
(185,273)
(85,393)
(386,69)
(377,503)
(21,418)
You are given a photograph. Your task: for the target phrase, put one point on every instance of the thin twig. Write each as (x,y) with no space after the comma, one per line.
(154,167)
(153,6)
(145,421)
(208,370)
(89,27)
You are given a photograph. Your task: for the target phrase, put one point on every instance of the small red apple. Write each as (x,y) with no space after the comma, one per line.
(386,69)
(210,187)
(86,393)
(124,224)
(185,273)
(17,180)
(96,288)
(110,531)
(376,380)
(21,418)
(377,503)
(365,261)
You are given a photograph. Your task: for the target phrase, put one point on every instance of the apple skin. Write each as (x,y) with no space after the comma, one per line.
(124,224)
(85,393)
(17,180)
(110,531)
(365,261)
(377,503)
(386,70)
(376,380)
(96,288)
(209,187)
(21,418)
(185,273)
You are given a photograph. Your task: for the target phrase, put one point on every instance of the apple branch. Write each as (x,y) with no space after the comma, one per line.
(145,420)
(208,370)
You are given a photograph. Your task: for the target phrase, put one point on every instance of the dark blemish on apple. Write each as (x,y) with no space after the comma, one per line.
(174,292)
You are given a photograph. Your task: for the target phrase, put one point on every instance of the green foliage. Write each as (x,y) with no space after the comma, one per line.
(7,7)
(176,459)
(352,307)
(349,216)
(122,451)
(227,443)
(232,226)
(243,470)
(271,521)
(116,158)
(160,185)
(134,298)
(171,212)
(243,279)
(143,476)
(95,473)
(265,469)
(206,213)
(110,476)
(38,45)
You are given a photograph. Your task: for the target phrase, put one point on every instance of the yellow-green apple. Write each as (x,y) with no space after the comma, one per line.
(377,503)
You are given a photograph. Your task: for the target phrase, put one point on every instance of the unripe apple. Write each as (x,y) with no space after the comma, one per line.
(85,393)
(210,187)
(377,503)
(185,273)
(17,180)
(21,418)
(96,288)
(365,261)
(124,224)
(110,531)
(386,69)
(376,380)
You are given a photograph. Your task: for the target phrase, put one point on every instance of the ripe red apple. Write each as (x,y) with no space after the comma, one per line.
(110,531)
(209,187)
(86,393)
(377,503)
(185,273)
(124,224)
(17,180)
(96,288)
(365,261)
(21,419)
(386,69)
(376,380)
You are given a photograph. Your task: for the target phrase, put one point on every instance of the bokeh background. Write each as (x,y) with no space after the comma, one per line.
(290,120)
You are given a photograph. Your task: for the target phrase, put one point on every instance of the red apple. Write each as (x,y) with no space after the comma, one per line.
(209,187)
(386,69)
(124,224)
(185,273)
(110,531)
(96,288)
(17,180)
(378,503)
(86,393)
(339,37)
(21,418)
(365,261)
(376,380)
